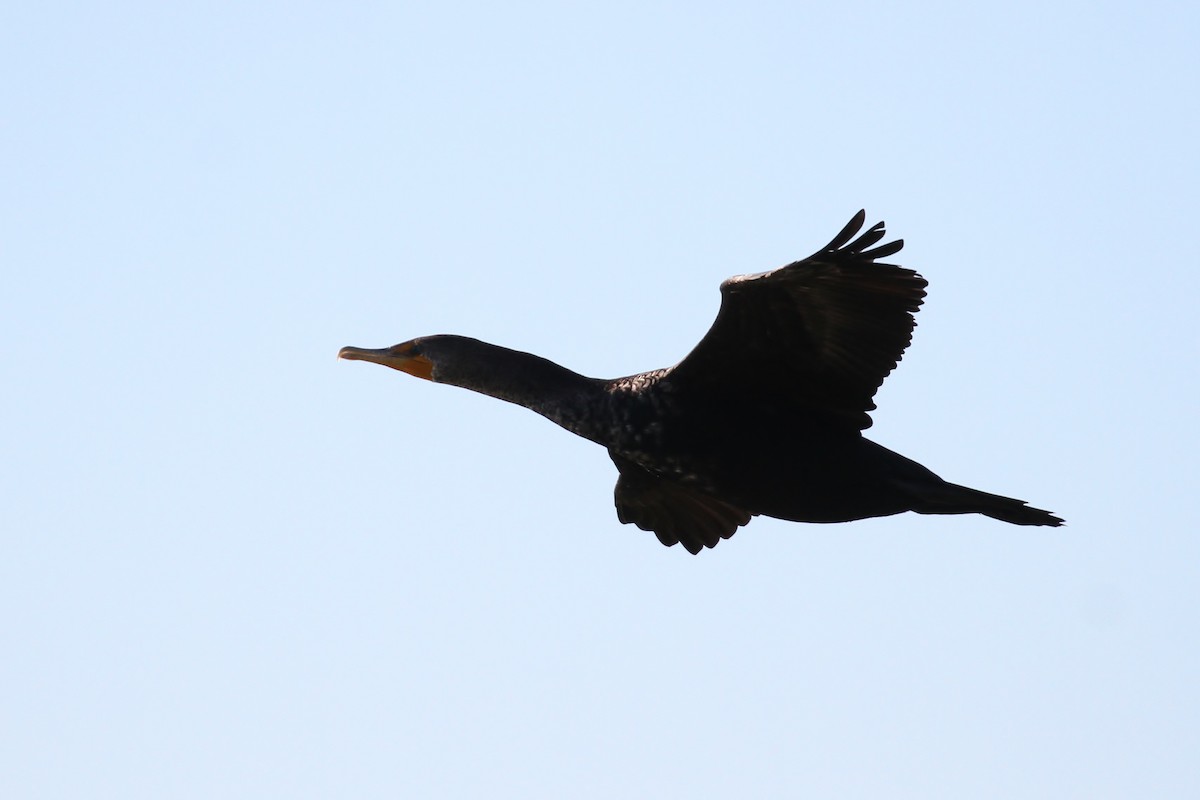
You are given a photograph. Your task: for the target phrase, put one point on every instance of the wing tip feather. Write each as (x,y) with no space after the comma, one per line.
(845,246)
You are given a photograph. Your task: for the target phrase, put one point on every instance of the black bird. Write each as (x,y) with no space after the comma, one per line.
(764,416)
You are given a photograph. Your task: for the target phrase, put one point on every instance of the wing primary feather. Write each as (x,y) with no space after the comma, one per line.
(847,233)
(873,235)
(884,250)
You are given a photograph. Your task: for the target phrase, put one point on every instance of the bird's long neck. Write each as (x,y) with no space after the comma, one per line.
(573,401)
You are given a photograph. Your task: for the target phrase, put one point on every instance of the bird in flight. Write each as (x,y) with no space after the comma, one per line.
(763,417)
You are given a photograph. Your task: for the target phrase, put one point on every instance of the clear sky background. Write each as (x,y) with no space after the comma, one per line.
(235,567)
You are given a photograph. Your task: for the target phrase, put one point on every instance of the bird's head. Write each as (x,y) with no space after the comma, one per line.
(481,367)
(416,356)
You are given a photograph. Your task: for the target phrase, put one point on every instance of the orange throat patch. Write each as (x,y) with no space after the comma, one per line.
(420,366)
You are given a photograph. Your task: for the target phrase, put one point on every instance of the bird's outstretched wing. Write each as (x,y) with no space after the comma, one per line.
(676,514)
(819,334)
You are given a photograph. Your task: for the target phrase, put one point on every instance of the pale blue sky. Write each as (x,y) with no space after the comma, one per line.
(234,567)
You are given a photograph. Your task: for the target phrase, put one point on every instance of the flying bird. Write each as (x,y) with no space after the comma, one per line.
(763,417)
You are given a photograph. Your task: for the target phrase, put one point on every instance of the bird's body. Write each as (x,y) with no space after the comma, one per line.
(764,417)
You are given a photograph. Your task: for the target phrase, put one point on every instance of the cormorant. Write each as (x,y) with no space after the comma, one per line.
(764,416)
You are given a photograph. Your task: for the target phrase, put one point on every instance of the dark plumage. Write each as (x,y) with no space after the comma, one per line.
(764,416)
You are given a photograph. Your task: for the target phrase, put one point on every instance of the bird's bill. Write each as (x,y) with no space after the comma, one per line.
(399,357)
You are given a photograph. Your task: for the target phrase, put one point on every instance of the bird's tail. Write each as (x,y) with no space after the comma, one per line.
(950,498)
